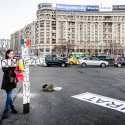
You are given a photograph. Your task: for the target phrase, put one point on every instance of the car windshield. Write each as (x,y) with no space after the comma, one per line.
(75,58)
(65,58)
(49,59)
(101,57)
(57,58)
(123,59)
(108,57)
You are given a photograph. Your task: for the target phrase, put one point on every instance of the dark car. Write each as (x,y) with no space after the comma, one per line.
(64,58)
(109,59)
(120,61)
(56,61)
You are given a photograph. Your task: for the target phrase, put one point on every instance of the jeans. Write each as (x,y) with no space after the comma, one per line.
(8,100)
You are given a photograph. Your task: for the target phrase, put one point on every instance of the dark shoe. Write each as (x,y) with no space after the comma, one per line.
(13,109)
(5,115)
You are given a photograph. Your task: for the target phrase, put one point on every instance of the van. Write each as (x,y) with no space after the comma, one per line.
(80,54)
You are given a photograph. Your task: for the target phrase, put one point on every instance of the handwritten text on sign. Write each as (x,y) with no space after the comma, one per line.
(8,63)
(102,101)
(26,62)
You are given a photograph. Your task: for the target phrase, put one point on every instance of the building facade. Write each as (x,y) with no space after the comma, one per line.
(15,41)
(4,45)
(28,32)
(92,32)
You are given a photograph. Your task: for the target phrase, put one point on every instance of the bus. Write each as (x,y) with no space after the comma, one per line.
(80,54)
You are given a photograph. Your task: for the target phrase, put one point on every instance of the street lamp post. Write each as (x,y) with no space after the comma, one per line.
(113,48)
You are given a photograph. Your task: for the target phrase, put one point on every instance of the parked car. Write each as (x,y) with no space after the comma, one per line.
(120,61)
(55,61)
(64,58)
(106,58)
(92,61)
(73,60)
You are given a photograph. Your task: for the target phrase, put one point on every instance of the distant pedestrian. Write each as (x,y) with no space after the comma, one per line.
(9,82)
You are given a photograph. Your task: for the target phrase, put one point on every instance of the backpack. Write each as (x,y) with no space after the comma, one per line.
(47,87)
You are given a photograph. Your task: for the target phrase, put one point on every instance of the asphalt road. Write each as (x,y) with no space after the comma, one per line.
(59,108)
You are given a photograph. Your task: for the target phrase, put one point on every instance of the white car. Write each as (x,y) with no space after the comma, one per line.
(92,61)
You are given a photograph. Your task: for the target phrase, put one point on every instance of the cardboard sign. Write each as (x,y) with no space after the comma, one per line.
(8,63)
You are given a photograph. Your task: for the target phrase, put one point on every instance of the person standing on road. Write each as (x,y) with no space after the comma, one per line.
(8,84)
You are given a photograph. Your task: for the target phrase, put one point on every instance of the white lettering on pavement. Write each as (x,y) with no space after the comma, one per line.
(102,101)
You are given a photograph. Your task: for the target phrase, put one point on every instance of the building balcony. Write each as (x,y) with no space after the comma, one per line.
(53,25)
(53,31)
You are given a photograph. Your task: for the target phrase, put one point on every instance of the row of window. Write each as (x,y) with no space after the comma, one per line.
(85,27)
(89,44)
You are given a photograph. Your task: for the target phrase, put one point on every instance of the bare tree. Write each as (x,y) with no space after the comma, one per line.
(59,48)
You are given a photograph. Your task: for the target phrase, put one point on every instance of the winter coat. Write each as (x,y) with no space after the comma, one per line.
(8,72)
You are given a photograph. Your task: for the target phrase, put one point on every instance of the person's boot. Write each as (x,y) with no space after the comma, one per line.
(13,109)
(5,114)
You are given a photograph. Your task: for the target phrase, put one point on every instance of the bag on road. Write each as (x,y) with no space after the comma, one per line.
(47,87)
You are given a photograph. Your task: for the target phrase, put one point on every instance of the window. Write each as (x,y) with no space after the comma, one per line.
(47,49)
(108,57)
(47,25)
(90,58)
(85,58)
(96,59)
(123,59)
(41,41)
(101,57)
(41,25)
(47,34)
(42,50)
(81,50)
(56,59)
(53,41)
(49,59)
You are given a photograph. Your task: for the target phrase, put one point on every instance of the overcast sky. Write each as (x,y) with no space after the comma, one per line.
(15,14)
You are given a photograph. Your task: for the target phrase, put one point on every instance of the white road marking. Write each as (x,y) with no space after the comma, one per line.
(57,88)
(107,102)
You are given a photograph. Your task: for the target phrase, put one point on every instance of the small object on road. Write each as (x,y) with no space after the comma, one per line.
(47,87)
(50,88)
(57,88)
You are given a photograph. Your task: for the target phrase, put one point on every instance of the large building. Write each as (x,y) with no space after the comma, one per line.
(4,45)
(28,32)
(88,29)
(15,41)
